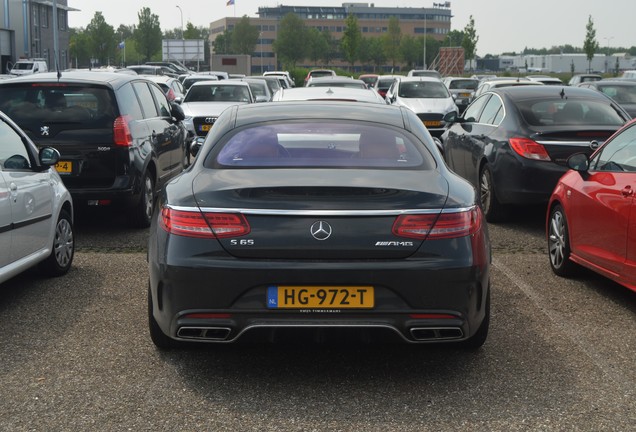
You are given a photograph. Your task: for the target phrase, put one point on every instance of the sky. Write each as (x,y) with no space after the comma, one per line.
(501,25)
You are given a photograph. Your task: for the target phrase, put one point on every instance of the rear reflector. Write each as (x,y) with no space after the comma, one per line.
(433,226)
(529,149)
(203,225)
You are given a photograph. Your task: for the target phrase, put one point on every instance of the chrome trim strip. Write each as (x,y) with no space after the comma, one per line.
(277,212)
(568,143)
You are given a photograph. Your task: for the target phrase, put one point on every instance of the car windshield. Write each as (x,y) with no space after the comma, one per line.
(321,144)
(217,93)
(90,106)
(569,112)
(187,83)
(621,94)
(23,66)
(467,84)
(423,89)
(317,74)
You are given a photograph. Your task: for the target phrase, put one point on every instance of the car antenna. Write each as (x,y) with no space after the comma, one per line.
(562,93)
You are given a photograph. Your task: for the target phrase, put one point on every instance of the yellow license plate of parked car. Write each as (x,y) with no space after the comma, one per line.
(64,167)
(205,128)
(464,94)
(320,297)
(432,123)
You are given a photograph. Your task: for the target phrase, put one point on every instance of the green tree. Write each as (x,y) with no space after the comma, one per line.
(79,48)
(222,44)
(291,43)
(350,42)
(317,46)
(469,42)
(332,45)
(101,39)
(377,54)
(454,38)
(244,36)
(411,50)
(148,34)
(391,40)
(590,45)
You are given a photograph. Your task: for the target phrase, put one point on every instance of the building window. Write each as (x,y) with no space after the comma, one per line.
(36,16)
(61,20)
(44,17)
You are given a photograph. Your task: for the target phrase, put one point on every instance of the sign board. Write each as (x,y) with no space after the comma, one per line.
(183,50)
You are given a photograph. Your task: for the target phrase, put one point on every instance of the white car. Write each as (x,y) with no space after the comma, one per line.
(206,100)
(329,93)
(36,209)
(427,97)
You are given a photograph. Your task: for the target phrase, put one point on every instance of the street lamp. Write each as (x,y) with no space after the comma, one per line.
(424,57)
(608,39)
(260,42)
(182,38)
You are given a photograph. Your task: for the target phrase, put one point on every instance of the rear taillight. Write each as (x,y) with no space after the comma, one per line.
(446,225)
(170,95)
(121,132)
(529,149)
(203,225)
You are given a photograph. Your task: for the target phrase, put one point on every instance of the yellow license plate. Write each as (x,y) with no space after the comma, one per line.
(432,123)
(464,94)
(205,128)
(320,297)
(64,167)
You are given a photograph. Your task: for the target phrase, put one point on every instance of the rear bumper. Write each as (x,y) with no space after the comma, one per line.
(523,181)
(123,188)
(413,299)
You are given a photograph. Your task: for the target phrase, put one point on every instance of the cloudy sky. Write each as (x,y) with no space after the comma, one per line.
(502,25)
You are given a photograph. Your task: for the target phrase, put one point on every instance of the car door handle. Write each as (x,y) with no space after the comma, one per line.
(627,191)
(14,191)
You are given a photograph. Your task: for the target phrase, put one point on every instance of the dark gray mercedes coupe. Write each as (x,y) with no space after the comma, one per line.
(321,215)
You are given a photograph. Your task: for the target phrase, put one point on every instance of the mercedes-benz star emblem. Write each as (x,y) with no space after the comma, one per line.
(320,230)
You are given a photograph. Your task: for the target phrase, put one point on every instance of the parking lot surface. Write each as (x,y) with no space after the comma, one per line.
(76,355)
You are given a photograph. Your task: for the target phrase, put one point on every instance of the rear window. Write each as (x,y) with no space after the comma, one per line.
(91,106)
(463,84)
(321,145)
(218,93)
(569,112)
(621,94)
(318,74)
(423,89)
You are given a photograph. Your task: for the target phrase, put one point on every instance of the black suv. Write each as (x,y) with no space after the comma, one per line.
(119,138)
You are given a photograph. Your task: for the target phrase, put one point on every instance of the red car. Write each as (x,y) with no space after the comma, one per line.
(592,213)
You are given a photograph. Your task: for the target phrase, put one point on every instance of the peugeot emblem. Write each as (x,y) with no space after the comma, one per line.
(44,130)
(320,230)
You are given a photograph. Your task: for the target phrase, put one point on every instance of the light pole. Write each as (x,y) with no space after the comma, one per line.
(260,42)
(424,56)
(182,38)
(608,39)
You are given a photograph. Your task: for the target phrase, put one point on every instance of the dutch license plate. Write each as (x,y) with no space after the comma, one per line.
(64,167)
(464,94)
(204,128)
(320,297)
(432,123)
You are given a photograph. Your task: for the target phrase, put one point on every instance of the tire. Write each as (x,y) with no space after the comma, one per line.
(142,215)
(559,243)
(493,210)
(63,249)
(159,338)
(479,338)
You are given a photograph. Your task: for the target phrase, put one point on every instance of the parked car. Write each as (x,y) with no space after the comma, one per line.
(545,79)
(323,216)
(591,212)
(579,78)
(260,89)
(494,83)
(174,67)
(329,93)
(172,87)
(272,82)
(315,73)
(284,74)
(424,73)
(336,82)
(427,97)
(36,210)
(384,82)
(146,69)
(512,143)
(462,90)
(629,75)
(29,66)
(206,100)
(622,91)
(369,79)
(193,78)
(119,138)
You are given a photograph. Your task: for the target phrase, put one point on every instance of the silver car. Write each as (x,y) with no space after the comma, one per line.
(36,210)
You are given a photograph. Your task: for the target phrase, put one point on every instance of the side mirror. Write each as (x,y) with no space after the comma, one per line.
(176,111)
(49,156)
(196,145)
(579,162)
(451,117)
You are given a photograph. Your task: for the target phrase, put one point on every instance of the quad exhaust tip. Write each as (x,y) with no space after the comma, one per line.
(436,333)
(204,333)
